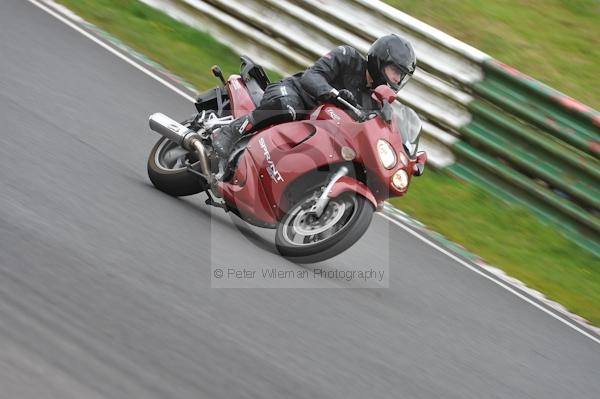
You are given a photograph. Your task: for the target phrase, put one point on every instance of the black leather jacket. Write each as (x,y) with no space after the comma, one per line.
(342,68)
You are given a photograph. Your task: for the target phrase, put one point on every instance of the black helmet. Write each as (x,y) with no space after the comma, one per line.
(395,51)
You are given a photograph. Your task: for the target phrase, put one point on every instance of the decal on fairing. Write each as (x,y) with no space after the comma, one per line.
(271,168)
(292,111)
(333,115)
(243,127)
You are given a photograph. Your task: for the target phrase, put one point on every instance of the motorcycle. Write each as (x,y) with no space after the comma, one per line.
(317,181)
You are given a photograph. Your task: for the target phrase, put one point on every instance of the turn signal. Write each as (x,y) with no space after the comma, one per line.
(348,153)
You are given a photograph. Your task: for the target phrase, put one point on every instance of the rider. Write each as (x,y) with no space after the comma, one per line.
(390,60)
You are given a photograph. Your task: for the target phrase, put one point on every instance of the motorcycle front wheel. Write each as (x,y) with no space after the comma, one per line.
(305,238)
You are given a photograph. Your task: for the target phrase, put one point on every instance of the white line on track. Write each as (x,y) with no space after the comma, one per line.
(507,286)
(501,283)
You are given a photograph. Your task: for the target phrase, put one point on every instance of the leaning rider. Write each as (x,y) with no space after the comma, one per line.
(390,60)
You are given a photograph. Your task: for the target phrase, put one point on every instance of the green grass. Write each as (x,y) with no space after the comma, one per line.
(554,41)
(508,237)
(182,50)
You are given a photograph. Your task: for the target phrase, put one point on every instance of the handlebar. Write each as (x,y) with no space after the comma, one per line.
(356,109)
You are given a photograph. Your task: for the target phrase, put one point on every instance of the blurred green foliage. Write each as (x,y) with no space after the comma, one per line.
(554,41)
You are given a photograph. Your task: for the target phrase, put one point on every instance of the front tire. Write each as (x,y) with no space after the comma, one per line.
(167,170)
(306,239)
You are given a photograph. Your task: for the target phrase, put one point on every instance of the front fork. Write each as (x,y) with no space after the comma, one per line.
(323,200)
(339,184)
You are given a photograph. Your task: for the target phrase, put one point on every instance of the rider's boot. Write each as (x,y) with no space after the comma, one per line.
(224,138)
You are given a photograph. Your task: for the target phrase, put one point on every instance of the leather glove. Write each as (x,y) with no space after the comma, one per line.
(348,96)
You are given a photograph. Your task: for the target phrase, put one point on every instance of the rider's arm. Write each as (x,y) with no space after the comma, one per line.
(316,79)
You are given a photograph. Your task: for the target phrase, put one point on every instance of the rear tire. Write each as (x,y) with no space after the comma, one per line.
(168,171)
(345,219)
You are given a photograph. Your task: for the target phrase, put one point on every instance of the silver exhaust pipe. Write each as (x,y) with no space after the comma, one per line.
(173,130)
(182,136)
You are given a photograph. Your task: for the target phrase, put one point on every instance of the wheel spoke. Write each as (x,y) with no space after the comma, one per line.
(174,155)
(170,156)
(303,228)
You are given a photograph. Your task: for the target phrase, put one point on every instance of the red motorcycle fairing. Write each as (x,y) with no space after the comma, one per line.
(273,159)
(246,194)
(365,142)
(331,112)
(379,178)
(277,156)
(241,102)
(346,184)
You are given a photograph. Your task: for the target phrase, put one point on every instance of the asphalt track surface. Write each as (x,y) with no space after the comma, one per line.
(105,282)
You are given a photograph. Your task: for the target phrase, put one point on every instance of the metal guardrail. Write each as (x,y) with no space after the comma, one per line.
(525,140)
(512,135)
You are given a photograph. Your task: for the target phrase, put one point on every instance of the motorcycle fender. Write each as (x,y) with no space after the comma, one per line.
(346,183)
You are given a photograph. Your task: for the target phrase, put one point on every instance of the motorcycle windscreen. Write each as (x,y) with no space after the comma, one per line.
(410,125)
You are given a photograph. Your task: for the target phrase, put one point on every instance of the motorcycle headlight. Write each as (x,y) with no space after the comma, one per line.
(400,179)
(387,156)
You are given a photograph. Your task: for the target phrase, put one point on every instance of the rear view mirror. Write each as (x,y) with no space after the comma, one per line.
(419,166)
(384,93)
(387,112)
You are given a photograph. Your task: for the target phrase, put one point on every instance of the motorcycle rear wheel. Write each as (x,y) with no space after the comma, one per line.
(307,239)
(167,170)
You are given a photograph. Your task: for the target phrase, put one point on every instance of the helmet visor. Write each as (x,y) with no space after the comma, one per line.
(395,77)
